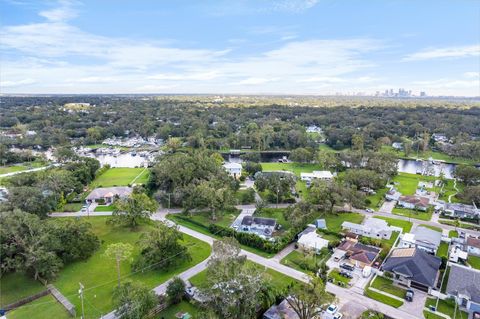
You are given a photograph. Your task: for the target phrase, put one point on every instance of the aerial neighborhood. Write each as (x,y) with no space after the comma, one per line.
(259,218)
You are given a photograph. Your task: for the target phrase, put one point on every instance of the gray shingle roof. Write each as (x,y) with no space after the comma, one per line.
(421,267)
(464,281)
(427,235)
(102,191)
(250,220)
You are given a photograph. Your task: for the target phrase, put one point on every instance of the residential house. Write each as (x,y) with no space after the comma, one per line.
(464,286)
(322,175)
(413,267)
(456,254)
(358,254)
(3,194)
(372,227)
(392,194)
(107,195)
(438,137)
(473,246)
(458,210)
(313,129)
(422,238)
(312,241)
(414,202)
(281,311)
(397,146)
(263,227)
(233,169)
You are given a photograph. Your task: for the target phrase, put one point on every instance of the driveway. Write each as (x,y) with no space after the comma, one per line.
(387,207)
(416,306)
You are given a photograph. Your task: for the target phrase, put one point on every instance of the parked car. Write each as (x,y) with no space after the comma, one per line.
(338,315)
(409,295)
(369,210)
(346,274)
(347,267)
(332,309)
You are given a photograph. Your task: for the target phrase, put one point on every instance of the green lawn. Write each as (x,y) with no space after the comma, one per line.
(412,213)
(45,307)
(184,306)
(443,288)
(432,227)
(474,261)
(404,224)
(429,315)
(98,273)
(408,183)
(295,168)
(20,167)
(334,221)
(335,275)
(224,219)
(452,233)
(121,176)
(278,280)
(383,298)
(301,262)
(442,250)
(446,307)
(10,284)
(462,225)
(276,213)
(105,208)
(377,198)
(72,207)
(386,285)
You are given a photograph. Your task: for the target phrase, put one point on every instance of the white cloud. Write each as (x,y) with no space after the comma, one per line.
(16,83)
(185,76)
(471,75)
(254,81)
(294,5)
(63,12)
(450,52)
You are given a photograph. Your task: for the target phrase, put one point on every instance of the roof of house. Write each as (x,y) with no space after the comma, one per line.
(428,236)
(370,225)
(359,251)
(103,192)
(317,174)
(414,264)
(465,281)
(281,311)
(313,240)
(473,242)
(250,220)
(463,208)
(321,223)
(415,200)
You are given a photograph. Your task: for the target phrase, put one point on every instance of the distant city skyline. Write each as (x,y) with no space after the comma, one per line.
(298,47)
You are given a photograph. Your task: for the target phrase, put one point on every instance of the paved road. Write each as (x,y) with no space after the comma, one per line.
(28,170)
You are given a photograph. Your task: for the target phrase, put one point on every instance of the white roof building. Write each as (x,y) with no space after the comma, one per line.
(372,227)
(325,175)
(312,241)
(233,169)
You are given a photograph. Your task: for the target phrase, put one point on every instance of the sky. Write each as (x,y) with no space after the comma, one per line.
(317,47)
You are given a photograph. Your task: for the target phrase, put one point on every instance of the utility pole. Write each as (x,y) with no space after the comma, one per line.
(80,291)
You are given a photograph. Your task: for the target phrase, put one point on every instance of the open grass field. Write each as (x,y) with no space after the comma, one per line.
(337,278)
(301,262)
(98,273)
(383,298)
(404,224)
(377,199)
(410,213)
(385,284)
(408,183)
(334,221)
(44,307)
(10,284)
(20,167)
(445,307)
(121,176)
(452,233)
(474,261)
(105,208)
(293,167)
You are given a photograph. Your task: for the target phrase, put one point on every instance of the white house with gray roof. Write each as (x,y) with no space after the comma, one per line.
(464,286)
(108,194)
(423,238)
(372,227)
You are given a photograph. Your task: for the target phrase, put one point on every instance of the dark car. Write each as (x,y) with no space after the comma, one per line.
(409,295)
(347,267)
(346,274)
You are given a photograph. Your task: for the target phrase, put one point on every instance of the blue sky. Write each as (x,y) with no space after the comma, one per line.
(248,47)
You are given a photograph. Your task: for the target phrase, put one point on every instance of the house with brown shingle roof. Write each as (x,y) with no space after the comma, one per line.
(359,254)
(414,202)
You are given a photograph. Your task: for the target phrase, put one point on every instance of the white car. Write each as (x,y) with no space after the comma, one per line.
(332,309)
(338,315)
